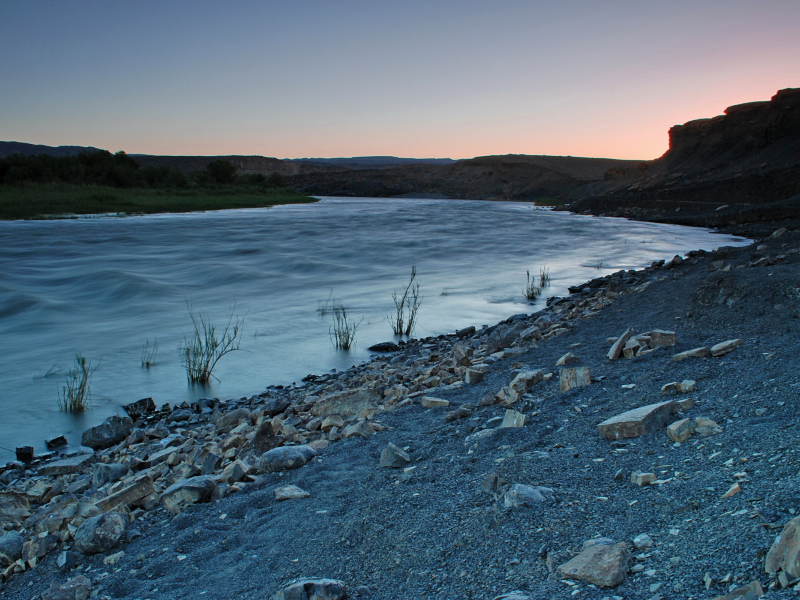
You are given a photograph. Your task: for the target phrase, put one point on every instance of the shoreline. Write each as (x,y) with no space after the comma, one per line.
(365,397)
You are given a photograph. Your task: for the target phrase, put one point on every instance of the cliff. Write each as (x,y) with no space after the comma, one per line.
(742,166)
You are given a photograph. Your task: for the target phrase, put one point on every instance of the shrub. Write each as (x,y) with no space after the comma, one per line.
(206,347)
(406,306)
(221,171)
(75,396)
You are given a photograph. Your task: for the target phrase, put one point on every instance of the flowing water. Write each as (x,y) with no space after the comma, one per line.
(105,286)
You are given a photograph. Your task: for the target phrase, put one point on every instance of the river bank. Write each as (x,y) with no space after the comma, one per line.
(500,475)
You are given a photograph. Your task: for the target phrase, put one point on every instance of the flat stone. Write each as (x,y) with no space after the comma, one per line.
(313,589)
(687,385)
(516,595)
(103,473)
(784,555)
(693,353)
(751,591)
(601,565)
(140,407)
(139,489)
(680,431)
(640,479)
(572,378)
(109,433)
(290,492)
(638,421)
(670,389)
(642,541)
(520,495)
(659,337)
(100,533)
(285,458)
(348,403)
(276,405)
(431,402)
(462,412)
(190,491)
(616,348)
(332,421)
(724,347)
(512,419)
(234,472)
(394,457)
(67,466)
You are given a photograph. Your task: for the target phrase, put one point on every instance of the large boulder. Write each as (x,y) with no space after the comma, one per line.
(603,565)
(285,458)
(275,406)
(10,548)
(313,589)
(231,419)
(190,491)
(100,533)
(112,432)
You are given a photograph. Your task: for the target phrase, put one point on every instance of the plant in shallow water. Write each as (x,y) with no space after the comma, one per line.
(406,306)
(206,347)
(544,276)
(149,354)
(343,331)
(75,396)
(531,291)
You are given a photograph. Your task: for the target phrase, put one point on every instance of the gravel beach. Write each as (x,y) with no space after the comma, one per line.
(501,485)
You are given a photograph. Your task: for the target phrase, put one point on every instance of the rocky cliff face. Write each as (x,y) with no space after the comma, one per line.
(742,166)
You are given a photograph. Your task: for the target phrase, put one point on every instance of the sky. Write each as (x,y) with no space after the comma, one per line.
(428,78)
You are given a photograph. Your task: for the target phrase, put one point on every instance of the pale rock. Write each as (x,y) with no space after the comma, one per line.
(638,421)
(659,337)
(101,533)
(290,492)
(751,591)
(680,431)
(431,402)
(348,403)
(567,359)
(686,404)
(67,466)
(600,565)
(232,418)
(359,428)
(724,347)
(704,427)
(515,595)
(10,548)
(394,457)
(313,589)
(285,458)
(687,386)
(128,495)
(113,559)
(734,489)
(332,421)
(473,376)
(512,419)
(519,495)
(642,541)
(617,347)
(264,438)
(694,353)
(641,479)
(462,412)
(107,473)
(572,378)
(184,493)
(670,389)
(14,508)
(784,555)
(234,472)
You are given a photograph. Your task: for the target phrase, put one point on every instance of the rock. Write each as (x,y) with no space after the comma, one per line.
(56,442)
(703,427)
(25,454)
(190,491)
(751,591)
(285,458)
(37,548)
(617,347)
(275,406)
(520,495)
(670,389)
(680,431)
(431,402)
(573,378)
(734,489)
(462,412)
(473,376)
(659,337)
(290,492)
(313,589)
(687,385)
(568,358)
(384,347)
(642,541)
(265,439)
(10,548)
(332,421)
(113,559)
(14,508)
(515,595)
(140,488)
(111,432)
(724,347)
(234,472)
(512,419)
(638,421)
(100,534)
(640,479)
(68,560)
(360,428)
(357,402)
(394,457)
(784,555)
(107,473)
(180,415)
(232,418)
(76,464)
(140,407)
(601,565)
(694,353)
(77,588)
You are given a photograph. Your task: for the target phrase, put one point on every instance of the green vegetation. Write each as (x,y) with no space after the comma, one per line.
(204,350)
(406,307)
(44,186)
(75,396)
(548,202)
(532,291)
(343,332)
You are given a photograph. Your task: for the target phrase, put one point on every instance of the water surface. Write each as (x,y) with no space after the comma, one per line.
(103,287)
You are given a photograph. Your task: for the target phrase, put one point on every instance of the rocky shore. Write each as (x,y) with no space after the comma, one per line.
(633,440)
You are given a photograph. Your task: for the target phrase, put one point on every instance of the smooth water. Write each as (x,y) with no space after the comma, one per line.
(104,286)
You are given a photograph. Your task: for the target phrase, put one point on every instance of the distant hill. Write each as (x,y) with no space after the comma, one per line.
(373,161)
(9,148)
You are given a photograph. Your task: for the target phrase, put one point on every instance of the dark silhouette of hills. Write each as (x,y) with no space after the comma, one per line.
(9,148)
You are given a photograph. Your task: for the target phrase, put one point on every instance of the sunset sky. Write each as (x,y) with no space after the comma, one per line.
(414,78)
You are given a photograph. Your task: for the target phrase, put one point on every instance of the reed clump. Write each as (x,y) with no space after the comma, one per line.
(149,354)
(204,349)
(406,306)
(75,396)
(343,330)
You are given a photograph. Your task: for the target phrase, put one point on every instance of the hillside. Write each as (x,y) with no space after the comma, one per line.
(9,148)
(739,167)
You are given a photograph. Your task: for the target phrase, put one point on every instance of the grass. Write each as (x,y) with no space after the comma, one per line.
(544,276)
(75,396)
(149,354)
(548,202)
(531,291)
(47,201)
(406,306)
(343,332)
(206,347)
